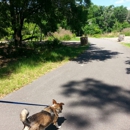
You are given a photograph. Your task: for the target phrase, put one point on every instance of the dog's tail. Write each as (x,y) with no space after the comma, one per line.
(23,117)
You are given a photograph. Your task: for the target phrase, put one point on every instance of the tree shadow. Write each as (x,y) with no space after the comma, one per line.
(71,43)
(96,53)
(94,94)
(31,57)
(51,127)
(60,121)
(128,69)
(12,59)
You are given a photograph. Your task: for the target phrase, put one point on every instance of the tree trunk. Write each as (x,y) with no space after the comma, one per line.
(17,24)
(17,37)
(18,32)
(84,40)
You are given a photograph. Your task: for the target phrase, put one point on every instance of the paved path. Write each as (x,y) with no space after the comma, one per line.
(95,89)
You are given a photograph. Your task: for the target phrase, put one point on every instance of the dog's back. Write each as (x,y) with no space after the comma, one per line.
(42,119)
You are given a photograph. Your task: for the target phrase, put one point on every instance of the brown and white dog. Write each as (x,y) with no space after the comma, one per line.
(43,119)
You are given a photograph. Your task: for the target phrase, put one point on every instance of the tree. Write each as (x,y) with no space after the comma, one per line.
(78,15)
(108,18)
(121,13)
(49,10)
(4,23)
(18,11)
(128,16)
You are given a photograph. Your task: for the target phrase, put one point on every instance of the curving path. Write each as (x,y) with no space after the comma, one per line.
(95,89)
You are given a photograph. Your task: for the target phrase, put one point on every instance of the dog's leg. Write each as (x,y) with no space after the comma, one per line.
(41,128)
(55,121)
(26,128)
(56,124)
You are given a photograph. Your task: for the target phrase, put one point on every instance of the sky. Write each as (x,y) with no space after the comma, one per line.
(125,3)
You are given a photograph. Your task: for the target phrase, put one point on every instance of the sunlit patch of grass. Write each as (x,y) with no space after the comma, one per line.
(24,75)
(75,39)
(126,44)
(25,70)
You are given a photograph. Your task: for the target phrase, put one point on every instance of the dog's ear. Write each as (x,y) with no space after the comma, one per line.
(54,101)
(61,103)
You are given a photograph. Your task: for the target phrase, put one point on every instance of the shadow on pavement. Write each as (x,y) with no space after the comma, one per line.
(71,43)
(94,94)
(51,127)
(128,69)
(95,53)
(60,121)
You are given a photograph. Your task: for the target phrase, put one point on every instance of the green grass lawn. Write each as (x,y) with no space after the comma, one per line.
(24,70)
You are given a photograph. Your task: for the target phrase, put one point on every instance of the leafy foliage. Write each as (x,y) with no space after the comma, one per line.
(33,19)
(91,29)
(108,18)
(121,13)
(46,14)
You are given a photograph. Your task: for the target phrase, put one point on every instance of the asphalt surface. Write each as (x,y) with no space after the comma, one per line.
(95,89)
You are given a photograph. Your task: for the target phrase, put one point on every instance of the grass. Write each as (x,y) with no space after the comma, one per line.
(126,44)
(75,39)
(24,70)
(110,35)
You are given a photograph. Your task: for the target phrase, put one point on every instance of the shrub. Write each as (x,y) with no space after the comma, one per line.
(91,29)
(125,25)
(66,37)
(50,38)
(109,35)
(126,31)
(52,43)
(63,34)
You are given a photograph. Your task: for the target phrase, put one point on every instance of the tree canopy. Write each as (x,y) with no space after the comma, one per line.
(51,11)
(43,16)
(107,18)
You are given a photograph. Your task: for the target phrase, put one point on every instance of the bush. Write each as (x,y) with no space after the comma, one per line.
(109,35)
(126,31)
(66,37)
(52,43)
(63,34)
(50,38)
(125,25)
(91,29)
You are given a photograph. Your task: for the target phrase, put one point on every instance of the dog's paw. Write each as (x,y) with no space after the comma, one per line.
(58,127)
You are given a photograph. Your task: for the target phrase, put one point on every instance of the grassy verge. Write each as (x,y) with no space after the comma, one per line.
(24,70)
(75,39)
(126,44)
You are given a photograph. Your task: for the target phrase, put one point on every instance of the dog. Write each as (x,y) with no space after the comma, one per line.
(43,119)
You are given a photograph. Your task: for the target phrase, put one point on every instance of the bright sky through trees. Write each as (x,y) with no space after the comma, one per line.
(125,3)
